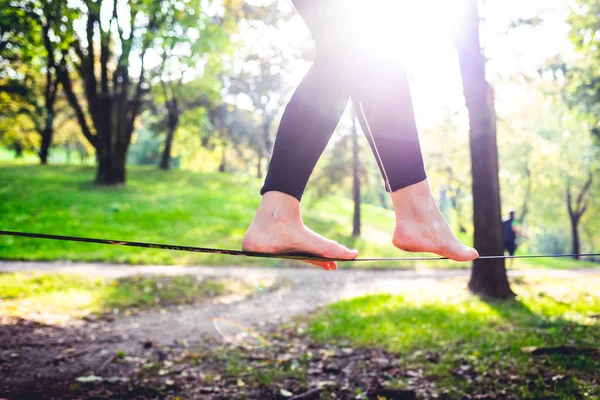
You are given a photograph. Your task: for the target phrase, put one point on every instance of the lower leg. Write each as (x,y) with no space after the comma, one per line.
(420,226)
(306,126)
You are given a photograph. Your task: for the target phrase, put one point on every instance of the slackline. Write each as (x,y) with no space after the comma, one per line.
(294,256)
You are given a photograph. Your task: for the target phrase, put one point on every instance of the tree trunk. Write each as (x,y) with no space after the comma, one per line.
(18,148)
(68,151)
(259,174)
(173,113)
(223,165)
(45,145)
(525,206)
(488,277)
(47,134)
(165,162)
(576,211)
(356,180)
(111,167)
(575,237)
(50,91)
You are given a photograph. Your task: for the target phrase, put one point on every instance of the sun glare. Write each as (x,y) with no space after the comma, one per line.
(413,28)
(417,32)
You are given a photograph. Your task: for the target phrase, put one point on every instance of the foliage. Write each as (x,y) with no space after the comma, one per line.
(583,73)
(33,35)
(145,149)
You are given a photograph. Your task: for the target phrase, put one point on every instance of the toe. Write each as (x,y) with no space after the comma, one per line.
(344,253)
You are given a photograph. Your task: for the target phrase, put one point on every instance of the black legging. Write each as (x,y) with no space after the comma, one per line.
(344,68)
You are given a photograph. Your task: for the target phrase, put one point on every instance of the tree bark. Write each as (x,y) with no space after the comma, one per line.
(173,113)
(259,172)
(111,167)
(45,145)
(51,88)
(356,180)
(525,206)
(223,165)
(575,237)
(165,161)
(576,211)
(488,277)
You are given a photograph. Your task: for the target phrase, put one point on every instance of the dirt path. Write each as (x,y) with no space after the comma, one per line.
(300,291)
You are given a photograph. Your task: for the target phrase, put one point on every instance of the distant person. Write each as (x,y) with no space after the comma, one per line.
(347,66)
(510,236)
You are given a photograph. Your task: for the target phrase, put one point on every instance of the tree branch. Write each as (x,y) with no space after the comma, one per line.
(569,199)
(584,190)
(116,18)
(90,74)
(81,67)
(63,77)
(583,210)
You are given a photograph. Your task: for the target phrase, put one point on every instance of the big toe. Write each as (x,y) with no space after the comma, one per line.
(465,254)
(344,253)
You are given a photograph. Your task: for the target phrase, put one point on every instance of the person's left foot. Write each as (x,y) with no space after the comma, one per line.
(421,227)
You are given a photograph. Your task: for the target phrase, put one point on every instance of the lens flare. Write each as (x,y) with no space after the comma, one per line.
(238,334)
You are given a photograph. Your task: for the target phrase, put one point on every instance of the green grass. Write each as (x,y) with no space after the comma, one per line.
(452,334)
(60,296)
(177,207)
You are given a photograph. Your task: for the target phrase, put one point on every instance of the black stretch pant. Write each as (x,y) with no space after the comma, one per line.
(344,67)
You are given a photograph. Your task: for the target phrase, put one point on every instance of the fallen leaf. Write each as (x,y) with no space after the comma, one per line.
(90,378)
(240,383)
(286,393)
(116,379)
(528,349)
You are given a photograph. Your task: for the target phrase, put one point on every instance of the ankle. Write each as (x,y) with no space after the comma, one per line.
(413,201)
(278,207)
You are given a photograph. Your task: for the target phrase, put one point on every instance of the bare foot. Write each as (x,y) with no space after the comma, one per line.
(277,228)
(421,227)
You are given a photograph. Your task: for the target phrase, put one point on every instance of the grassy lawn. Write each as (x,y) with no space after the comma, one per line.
(60,296)
(462,342)
(178,207)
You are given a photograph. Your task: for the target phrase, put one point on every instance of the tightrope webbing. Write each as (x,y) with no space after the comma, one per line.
(362,120)
(295,256)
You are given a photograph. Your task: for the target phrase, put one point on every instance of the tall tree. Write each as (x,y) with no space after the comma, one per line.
(576,210)
(183,85)
(583,73)
(261,66)
(115,96)
(113,99)
(488,277)
(36,31)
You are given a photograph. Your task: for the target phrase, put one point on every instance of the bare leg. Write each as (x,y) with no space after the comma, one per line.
(306,126)
(420,226)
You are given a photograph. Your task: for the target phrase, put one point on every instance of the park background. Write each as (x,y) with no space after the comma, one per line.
(188,96)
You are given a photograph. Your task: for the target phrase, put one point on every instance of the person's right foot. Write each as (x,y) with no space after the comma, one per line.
(277,228)
(421,227)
